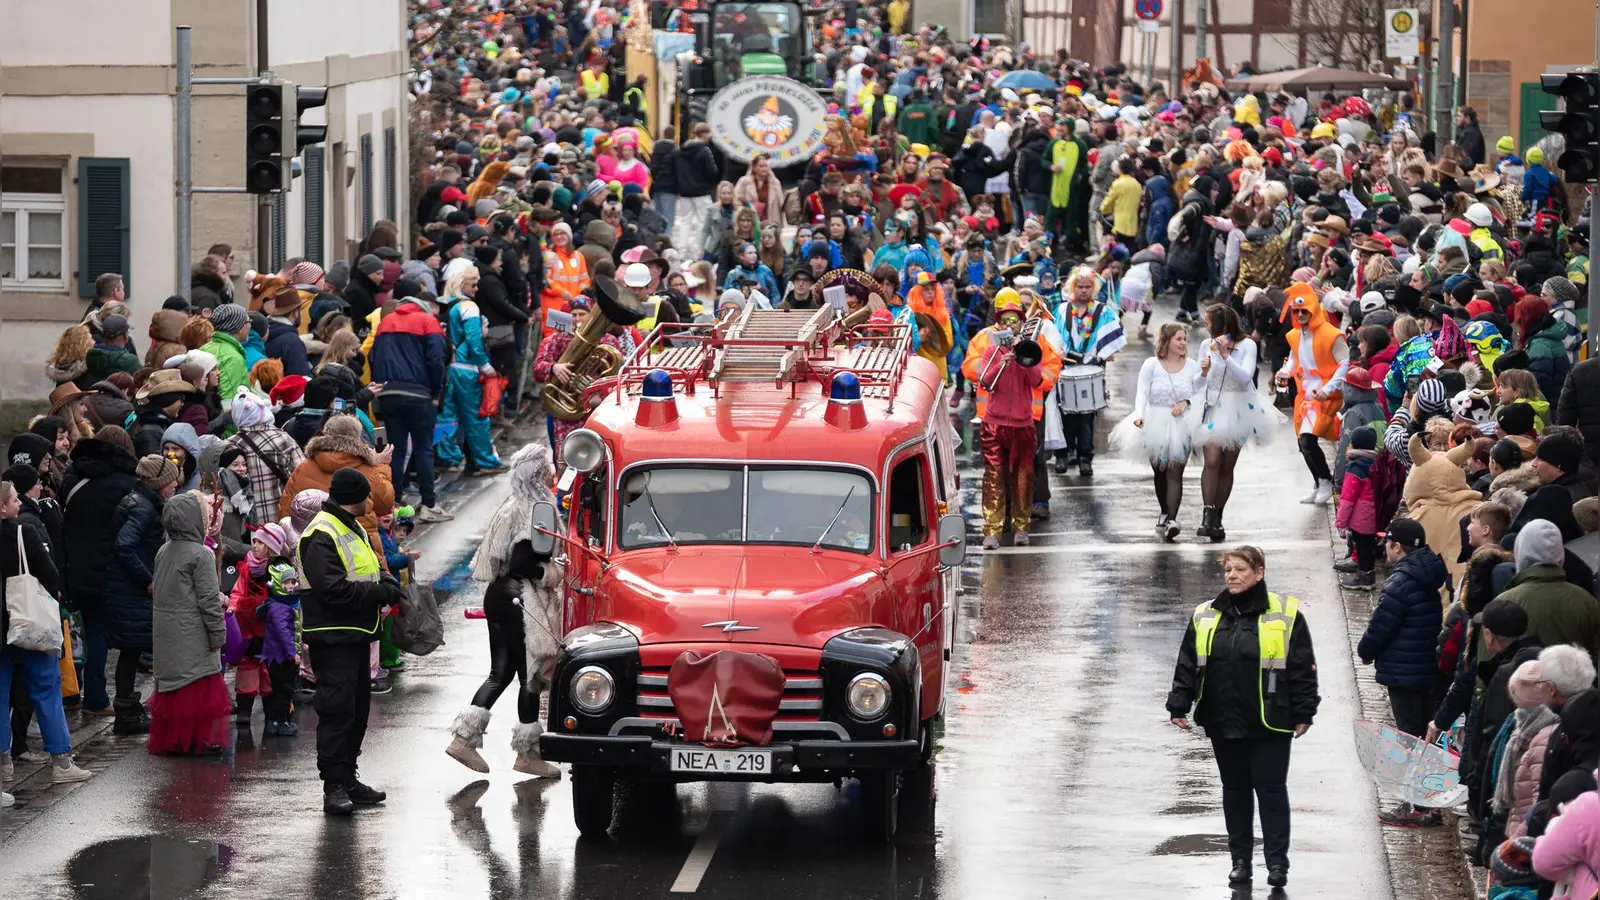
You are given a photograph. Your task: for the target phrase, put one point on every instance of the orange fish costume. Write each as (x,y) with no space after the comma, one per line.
(1325,343)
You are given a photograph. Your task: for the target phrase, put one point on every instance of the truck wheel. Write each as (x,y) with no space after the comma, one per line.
(593,800)
(925,751)
(880,805)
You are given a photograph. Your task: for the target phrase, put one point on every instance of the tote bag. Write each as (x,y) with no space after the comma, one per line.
(35,615)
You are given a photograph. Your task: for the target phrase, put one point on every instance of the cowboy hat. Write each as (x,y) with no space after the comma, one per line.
(1447,168)
(1484,179)
(166,381)
(63,395)
(285,301)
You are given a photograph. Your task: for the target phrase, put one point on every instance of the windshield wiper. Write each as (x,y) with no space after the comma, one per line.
(671,544)
(835,520)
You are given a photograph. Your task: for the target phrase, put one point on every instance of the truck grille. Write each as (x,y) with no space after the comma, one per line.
(802,696)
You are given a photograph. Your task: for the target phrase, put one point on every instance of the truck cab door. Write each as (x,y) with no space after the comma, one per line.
(915,578)
(590,501)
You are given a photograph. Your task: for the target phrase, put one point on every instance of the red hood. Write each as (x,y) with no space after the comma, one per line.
(789,595)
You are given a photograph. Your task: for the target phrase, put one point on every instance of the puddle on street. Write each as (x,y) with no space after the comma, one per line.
(152,867)
(1194,845)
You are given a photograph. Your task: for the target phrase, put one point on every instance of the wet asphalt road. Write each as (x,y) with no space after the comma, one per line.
(1057,773)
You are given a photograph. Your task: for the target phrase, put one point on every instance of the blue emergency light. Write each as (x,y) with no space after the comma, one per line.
(657,385)
(846,386)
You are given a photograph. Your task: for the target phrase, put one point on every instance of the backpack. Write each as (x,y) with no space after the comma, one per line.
(1388,477)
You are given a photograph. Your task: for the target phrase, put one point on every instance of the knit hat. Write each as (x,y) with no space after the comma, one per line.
(1433,398)
(369,265)
(1524,688)
(1535,156)
(289,390)
(29,450)
(1364,438)
(1450,343)
(250,408)
(115,435)
(1408,533)
(1515,418)
(229,318)
(1561,450)
(156,472)
(343,426)
(338,275)
(1512,863)
(1563,290)
(305,506)
(23,477)
(204,359)
(227,456)
(276,539)
(1505,617)
(1539,543)
(348,487)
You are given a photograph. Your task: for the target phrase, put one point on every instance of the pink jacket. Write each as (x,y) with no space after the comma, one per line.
(1570,849)
(1358,505)
(609,168)
(1011,389)
(1525,783)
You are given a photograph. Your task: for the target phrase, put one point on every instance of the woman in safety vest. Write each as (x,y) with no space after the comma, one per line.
(1247,668)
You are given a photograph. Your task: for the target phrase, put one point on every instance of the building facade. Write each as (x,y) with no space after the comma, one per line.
(87,118)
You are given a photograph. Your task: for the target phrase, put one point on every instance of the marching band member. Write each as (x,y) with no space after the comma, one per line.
(1228,413)
(1158,429)
(1318,358)
(1010,401)
(1092,332)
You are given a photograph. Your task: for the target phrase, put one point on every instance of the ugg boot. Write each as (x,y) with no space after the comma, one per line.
(468,731)
(131,717)
(525,740)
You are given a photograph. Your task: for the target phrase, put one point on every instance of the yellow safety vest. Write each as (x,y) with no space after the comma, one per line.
(648,323)
(1272,629)
(360,561)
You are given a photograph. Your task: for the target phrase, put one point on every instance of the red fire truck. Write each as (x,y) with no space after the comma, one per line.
(774,484)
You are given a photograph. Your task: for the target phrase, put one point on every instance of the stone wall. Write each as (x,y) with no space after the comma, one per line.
(1489,92)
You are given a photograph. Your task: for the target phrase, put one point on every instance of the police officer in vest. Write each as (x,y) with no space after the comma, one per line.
(345,592)
(1247,669)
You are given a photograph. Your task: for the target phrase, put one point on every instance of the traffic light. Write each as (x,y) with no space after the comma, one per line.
(264,127)
(302,134)
(1578,123)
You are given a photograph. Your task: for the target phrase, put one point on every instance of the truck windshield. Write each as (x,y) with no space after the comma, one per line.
(741,28)
(706,505)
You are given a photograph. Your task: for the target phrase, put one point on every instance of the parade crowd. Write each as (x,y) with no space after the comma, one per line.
(1410,300)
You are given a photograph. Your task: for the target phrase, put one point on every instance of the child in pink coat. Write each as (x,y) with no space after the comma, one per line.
(1569,851)
(1358,506)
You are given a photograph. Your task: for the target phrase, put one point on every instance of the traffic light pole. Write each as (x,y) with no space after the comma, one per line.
(183,160)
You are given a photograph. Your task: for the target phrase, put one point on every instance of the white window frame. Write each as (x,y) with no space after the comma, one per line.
(21,206)
(972,22)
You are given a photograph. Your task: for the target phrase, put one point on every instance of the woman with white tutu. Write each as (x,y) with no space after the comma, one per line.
(1158,429)
(1228,412)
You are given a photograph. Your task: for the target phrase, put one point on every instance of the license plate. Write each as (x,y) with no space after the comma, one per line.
(722,762)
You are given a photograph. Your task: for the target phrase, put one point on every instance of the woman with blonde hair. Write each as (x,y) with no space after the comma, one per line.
(465,327)
(1521,386)
(69,359)
(1250,709)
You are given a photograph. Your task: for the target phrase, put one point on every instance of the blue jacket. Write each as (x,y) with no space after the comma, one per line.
(1538,185)
(1161,205)
(137,526)
(1403,635)
(408,354)
(284,345)
(255,350)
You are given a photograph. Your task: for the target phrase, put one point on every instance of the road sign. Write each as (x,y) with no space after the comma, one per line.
(1147,9)
(1402,34)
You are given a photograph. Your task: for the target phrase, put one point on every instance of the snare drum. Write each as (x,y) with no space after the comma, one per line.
(1081,389)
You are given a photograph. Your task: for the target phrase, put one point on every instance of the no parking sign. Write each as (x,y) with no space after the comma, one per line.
(1147,9)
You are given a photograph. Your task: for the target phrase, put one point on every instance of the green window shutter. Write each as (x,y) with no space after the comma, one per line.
(104,210)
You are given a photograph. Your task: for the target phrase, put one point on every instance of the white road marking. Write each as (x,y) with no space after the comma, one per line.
(1133,549)
(699,860)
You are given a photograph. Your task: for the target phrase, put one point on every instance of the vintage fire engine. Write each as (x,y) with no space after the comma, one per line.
(775,484)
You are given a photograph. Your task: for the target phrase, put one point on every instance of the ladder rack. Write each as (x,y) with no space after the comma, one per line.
(776,346)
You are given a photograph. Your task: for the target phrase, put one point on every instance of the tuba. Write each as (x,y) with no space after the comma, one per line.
(591,360)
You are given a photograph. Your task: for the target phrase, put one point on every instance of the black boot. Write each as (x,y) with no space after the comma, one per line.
(363,795)
(1277,876)
(336,800)
(131,717)
(1240,873)
(1206,515)
(1217,534)
(243,706)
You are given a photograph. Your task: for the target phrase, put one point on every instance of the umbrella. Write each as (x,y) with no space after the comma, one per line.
(1318,78)
(1027,80)
(1408,768)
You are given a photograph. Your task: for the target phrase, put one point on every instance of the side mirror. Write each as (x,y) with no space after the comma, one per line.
(952,528)
(544,527)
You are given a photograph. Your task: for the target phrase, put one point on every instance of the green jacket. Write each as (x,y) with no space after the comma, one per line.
(1069,155)
(919,124)
(103,360)
(231,371)
(1548,344)
(1559,612)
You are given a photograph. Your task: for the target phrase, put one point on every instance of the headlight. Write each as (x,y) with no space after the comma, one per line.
(583,450)
(868,696)
(593,689)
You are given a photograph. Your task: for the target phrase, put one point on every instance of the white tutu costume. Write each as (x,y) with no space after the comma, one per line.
(1165,438)
(1227,411)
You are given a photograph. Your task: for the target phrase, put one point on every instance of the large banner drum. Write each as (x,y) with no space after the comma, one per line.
(1081,389)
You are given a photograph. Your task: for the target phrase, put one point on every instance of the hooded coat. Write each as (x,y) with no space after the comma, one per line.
(327,454)
(1559,612)
(88,534)
(508,539)
(184,435)
(189,628)
(128,580)
(1437,495)
(1402,635)
(1576,741)
(165,326)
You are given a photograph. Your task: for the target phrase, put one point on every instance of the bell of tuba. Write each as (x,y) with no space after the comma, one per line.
(591,360)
